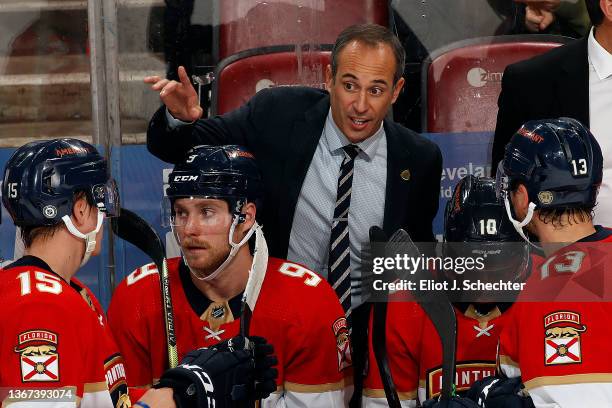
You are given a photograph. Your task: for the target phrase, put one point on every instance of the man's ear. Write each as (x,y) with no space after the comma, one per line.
(606,8)
(397,88)
(520,201)
(80,212)
(249,210)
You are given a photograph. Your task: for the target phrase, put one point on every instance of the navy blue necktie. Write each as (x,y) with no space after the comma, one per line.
(339,247)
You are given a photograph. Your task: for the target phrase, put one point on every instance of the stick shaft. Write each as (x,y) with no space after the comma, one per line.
(130,227)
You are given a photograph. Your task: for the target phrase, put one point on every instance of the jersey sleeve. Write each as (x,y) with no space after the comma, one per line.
(129,329)
(316,354)
(52,344)
(404,322)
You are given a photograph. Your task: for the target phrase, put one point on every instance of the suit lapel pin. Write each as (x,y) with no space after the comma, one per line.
(405,175)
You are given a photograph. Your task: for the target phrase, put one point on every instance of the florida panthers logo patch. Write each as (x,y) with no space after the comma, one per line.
(343,343)
(39,358)
(562,338)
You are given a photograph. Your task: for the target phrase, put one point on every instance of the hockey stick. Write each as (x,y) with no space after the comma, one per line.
(255,281)
(379,335)
(130,227)
(441,313)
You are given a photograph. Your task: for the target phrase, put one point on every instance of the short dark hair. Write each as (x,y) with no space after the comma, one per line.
(33,232)
(372,35)
(595,13)
(555,216)
(574,215)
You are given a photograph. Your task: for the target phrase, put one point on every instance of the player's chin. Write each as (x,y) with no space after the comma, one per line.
(196,258)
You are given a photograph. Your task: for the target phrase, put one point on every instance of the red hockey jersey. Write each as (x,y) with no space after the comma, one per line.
(54,336)
(414,352)
(297,311)
(561,348)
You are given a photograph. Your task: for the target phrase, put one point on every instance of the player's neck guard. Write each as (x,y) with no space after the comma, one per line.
(90,237)
(518,226)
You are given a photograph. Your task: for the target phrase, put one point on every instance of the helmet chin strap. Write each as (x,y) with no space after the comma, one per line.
(518,226)
(235,247)
(90,237)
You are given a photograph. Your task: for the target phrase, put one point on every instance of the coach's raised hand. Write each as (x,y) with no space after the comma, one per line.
(180,98)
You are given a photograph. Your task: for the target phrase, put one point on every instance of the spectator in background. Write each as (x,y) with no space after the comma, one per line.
(310,144)
(575,81)
(564,17)
(426,26)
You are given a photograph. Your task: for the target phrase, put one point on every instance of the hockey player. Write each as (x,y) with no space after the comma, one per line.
(474,215)
(54,334)
(212,199)
(549,178)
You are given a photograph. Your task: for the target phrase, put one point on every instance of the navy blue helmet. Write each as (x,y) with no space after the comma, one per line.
(476,215)
(558,160)
(41,179)
(219,172)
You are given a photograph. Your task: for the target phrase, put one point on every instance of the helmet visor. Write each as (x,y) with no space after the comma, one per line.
(200,211)
(106,197)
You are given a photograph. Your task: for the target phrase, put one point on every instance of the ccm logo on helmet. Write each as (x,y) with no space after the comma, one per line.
(185,178)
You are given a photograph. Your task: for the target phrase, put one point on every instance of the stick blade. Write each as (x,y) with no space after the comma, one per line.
(130,227)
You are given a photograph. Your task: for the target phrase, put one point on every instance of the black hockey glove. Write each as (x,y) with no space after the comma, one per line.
(454,402)
(496,392)
(263,352)
(223,376)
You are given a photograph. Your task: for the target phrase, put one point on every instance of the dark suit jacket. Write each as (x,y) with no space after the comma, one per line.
(550,85)
(282,127)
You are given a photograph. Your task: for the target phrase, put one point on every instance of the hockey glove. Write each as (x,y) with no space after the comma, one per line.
(496,392)
(222,376)
(263,352)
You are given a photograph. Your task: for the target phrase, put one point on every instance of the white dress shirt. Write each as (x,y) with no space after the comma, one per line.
(600,117)
(311,228)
